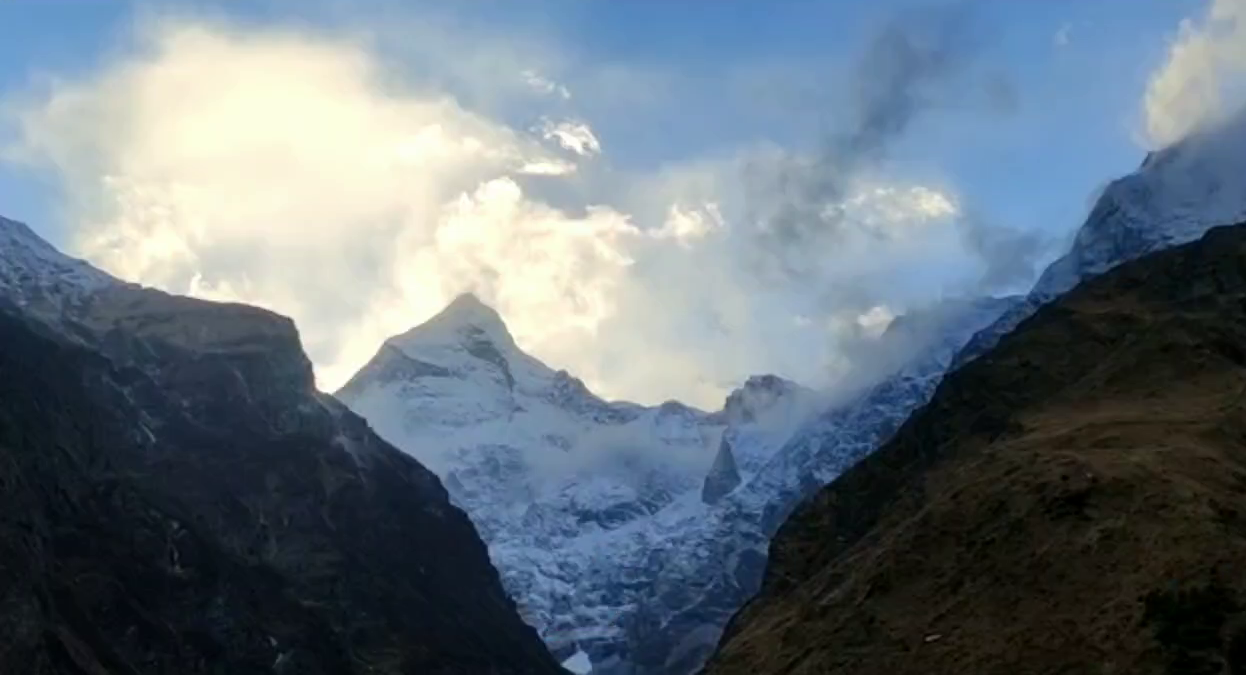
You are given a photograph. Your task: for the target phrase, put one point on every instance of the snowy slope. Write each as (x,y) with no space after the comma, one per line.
(39,278)
(1174,197)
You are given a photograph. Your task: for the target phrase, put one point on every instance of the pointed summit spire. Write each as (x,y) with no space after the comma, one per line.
(723,476)
(468,310)
(468,307)
(465,319)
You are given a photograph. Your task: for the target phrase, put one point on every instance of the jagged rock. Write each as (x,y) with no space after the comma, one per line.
(723,476)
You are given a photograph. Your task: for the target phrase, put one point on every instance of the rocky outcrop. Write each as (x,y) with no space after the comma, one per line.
(723,476)
(1068,501)
(176,497)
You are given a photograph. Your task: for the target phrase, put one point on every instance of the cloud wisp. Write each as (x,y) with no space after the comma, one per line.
(307,172)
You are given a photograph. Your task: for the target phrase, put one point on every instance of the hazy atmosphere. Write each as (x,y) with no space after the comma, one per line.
(658,201)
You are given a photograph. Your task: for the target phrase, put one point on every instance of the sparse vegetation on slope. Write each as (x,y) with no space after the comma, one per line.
(1073,501)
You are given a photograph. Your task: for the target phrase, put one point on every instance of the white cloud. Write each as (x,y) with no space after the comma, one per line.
(295,171)
(1202,76)
(574,136)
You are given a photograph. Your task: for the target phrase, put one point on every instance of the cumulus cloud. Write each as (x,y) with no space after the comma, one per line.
(1202,77)
(304,172)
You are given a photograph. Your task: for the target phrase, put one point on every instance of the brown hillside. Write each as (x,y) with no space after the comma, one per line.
(1072,502)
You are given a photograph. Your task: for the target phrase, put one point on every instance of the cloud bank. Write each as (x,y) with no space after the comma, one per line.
(1203,77)
(308,172)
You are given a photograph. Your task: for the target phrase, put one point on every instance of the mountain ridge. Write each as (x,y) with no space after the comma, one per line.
(1039,444)
(179,498)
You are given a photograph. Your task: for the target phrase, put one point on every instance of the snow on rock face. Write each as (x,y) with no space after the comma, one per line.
(1177,194)
(36,276)
(1174,197)
(705,572)
(578,664)
(578,498)
(596,512)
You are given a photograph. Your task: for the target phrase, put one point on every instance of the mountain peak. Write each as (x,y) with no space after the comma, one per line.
(466,319)
(758,395)
(470,303)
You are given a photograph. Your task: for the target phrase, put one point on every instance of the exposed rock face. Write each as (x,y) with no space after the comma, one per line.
(176,497)
(723,476)
(1068,501)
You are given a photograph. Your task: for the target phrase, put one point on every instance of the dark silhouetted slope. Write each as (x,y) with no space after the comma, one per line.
(175,497)
(1071,501)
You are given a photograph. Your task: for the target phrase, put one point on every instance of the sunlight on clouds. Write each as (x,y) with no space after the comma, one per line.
(885,209)
(294,172)
(876,320)
(1206,64)
(574,136)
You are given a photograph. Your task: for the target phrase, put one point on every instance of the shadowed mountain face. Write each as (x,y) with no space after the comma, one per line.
(175,497)
(1071,501)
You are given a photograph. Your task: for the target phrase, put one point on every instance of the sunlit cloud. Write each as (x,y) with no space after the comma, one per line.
(297,171)
(1203,76)
(574,136)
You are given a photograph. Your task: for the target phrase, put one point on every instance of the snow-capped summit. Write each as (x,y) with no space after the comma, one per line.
(762,395)
(573,494)
(1176,195)
(465,319)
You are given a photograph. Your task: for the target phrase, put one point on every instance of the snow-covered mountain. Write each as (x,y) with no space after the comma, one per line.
(573,493)
(1175,196)
(617,527)
(639,557)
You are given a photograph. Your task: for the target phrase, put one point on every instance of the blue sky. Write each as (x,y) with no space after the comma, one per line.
(1071,130)
(677,92)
